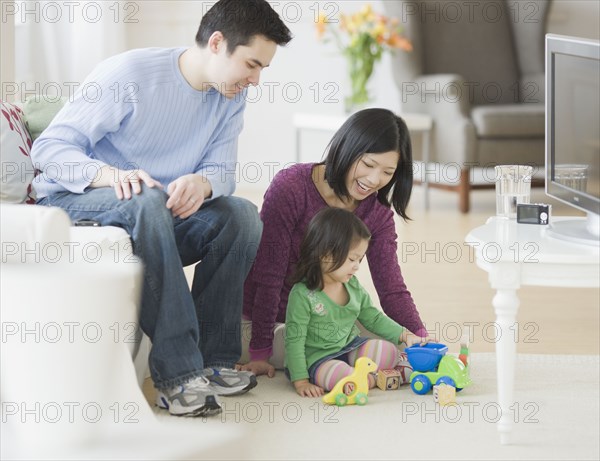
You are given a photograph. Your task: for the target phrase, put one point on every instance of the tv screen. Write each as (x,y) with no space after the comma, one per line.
(573,125)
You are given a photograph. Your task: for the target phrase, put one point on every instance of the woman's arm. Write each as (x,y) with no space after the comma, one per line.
(279,213)
(382,255)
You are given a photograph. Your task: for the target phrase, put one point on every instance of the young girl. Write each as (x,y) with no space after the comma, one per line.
(322,341)
(368,171)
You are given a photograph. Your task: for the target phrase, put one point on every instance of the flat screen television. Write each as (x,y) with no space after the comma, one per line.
(573,133)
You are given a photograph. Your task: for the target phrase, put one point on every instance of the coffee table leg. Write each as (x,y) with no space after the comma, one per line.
(506,306)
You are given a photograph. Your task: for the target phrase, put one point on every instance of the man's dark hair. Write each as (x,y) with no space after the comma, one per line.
(240,21)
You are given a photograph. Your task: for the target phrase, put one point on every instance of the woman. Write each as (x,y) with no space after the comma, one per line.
(368,170)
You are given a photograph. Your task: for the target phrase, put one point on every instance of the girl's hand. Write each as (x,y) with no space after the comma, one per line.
(305,389)
(404,337)
(258,367)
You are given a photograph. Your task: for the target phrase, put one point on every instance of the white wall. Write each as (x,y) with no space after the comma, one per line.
(314,68)
(7,53)
(575,17)
(58,43)
(305,76)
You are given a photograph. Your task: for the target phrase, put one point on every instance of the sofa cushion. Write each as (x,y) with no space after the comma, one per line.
(32,234)
(39,112)
(91,244)
(44,234)
(509,121)
(15,149)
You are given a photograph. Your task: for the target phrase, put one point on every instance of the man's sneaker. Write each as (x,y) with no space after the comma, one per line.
(194,398)
(225,381)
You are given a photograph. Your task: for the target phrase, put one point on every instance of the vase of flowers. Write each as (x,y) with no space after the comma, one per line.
(362,37)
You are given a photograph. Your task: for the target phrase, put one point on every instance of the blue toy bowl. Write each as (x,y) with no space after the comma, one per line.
(425,358)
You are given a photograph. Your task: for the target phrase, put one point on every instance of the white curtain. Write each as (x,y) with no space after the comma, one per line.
(57,43)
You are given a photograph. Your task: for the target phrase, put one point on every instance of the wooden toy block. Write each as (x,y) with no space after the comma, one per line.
(444,394)
(388,380)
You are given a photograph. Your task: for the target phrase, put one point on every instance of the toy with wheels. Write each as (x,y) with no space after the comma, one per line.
(432,367)
(352,389)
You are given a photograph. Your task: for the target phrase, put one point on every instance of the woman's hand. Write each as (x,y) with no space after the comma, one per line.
(305,389)
(424,340)
(258,367)
(408,337)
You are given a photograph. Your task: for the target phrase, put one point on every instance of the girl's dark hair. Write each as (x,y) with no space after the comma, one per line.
(331,233)
(240,20)
(373,131)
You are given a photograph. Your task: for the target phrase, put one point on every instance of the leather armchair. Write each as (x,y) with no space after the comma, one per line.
(478,69)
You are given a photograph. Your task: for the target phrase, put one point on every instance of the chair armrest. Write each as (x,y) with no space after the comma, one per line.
(445,97)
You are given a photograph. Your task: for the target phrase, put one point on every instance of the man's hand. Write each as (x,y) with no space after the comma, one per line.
(259,367)
(305,389)
(124,182)
(187,193)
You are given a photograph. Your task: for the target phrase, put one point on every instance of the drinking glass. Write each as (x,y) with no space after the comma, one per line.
(513,186)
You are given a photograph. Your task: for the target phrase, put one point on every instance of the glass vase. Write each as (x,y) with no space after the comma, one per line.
(360,69)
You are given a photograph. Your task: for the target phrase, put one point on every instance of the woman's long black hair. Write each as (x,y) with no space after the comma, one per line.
(373,131)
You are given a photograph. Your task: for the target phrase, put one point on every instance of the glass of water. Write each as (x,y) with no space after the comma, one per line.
(513,186)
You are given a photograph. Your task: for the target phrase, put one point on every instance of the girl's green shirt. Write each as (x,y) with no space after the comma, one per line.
(317,327)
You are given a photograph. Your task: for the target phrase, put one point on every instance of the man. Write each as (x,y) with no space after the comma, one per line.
(149,144)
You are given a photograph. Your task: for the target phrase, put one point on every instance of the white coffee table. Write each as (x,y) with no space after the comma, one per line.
(523,254)
(416,123)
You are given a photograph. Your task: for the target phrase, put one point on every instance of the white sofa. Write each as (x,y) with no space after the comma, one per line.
(40,239)
(49,263)
(71,359)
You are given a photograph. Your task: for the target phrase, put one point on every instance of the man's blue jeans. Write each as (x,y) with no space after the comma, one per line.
(189,330)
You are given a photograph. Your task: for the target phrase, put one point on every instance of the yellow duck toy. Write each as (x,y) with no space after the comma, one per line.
(352,389)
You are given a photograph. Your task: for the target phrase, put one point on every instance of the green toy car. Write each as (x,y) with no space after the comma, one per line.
(432,366)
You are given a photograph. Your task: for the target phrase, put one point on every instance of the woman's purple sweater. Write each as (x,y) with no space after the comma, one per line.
(290,202)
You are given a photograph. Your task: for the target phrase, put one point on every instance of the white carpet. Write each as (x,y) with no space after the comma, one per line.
(557,403)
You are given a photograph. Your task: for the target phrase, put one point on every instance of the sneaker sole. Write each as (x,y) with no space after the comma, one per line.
(210,408)
(223,391)
(252,385)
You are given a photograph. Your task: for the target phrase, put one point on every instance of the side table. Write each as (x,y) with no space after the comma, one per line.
(417,123)
(522,254)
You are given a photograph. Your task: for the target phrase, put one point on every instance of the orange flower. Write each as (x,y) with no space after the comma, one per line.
(378,31)
(321,25)
(396,41)
(362,37)
(343,22)
(365,28)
